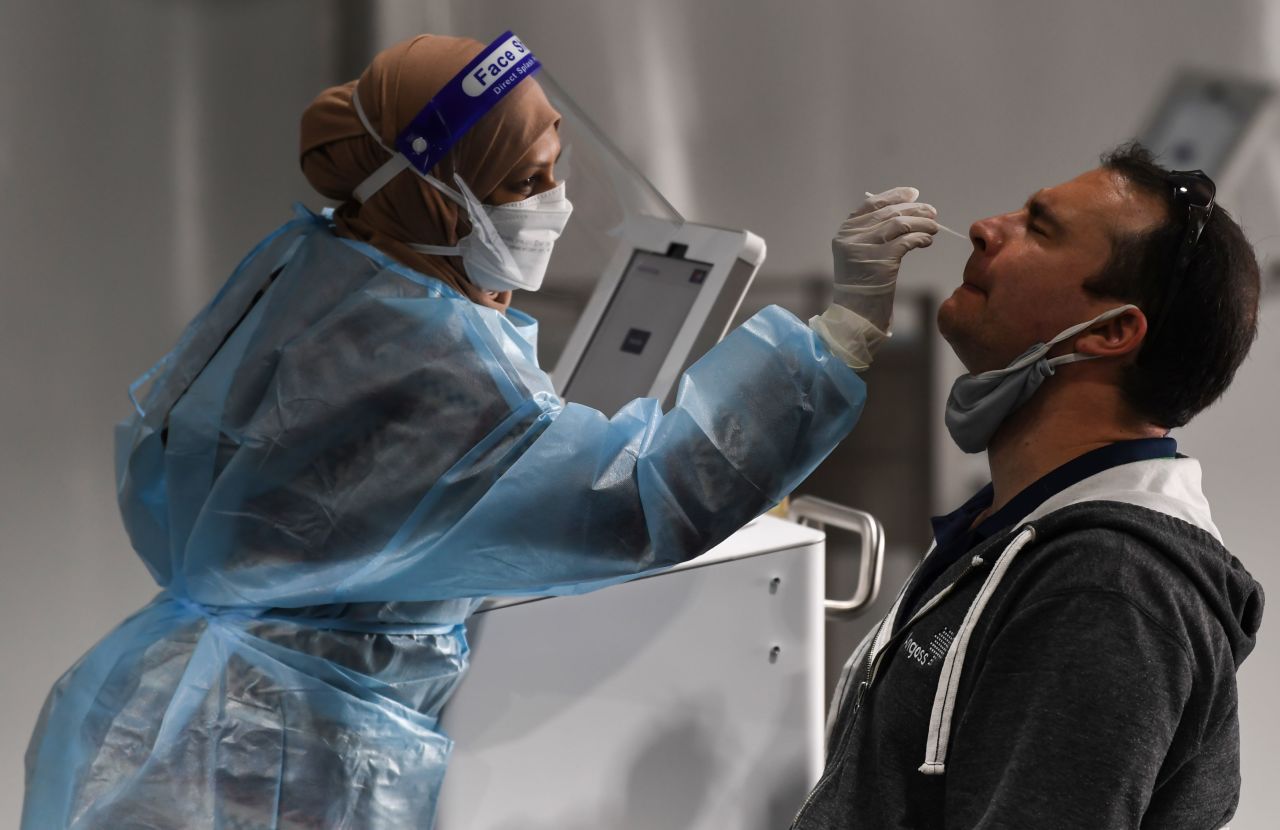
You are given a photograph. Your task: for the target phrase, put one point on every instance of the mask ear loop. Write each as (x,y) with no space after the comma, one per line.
(483,230)
(1076,357)
(1041,349)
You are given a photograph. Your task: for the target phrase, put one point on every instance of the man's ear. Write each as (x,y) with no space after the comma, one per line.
(1121,335)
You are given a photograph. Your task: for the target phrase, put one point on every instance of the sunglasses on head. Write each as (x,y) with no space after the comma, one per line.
(1194,192)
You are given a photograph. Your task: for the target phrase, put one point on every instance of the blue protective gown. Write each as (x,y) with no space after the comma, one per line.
(340,457)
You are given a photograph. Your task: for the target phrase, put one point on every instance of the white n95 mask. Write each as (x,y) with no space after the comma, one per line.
(979,404)
(510,245)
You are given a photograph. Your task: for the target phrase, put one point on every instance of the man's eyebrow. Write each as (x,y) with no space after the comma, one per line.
(1039,212)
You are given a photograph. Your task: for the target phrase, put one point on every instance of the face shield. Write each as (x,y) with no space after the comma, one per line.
(612,199)
(514,246)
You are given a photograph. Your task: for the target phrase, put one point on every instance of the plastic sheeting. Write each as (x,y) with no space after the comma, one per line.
(339,459)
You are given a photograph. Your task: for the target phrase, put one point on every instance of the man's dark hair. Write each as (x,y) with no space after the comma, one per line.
(1206,318)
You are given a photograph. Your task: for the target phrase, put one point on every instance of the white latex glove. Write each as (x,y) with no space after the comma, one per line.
(867,252)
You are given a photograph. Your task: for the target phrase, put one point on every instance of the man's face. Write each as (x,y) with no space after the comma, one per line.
(1024,281)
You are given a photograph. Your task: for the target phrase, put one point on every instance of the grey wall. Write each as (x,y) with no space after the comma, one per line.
(145,144)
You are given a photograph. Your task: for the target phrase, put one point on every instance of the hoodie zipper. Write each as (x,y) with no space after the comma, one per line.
(873,661)
(873,664)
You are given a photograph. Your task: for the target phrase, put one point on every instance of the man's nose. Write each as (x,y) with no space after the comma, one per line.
(986,235)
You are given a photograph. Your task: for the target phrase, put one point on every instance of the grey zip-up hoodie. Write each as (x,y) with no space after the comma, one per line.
(1075,671)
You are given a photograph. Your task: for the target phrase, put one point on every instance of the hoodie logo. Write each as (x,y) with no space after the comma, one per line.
(934,652)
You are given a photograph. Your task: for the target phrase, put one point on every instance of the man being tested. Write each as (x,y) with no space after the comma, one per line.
(1065,655)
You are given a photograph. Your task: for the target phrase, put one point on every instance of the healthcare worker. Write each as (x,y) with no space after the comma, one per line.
(353,444)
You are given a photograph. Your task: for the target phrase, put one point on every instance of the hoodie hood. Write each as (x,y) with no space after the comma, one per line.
(1183,531)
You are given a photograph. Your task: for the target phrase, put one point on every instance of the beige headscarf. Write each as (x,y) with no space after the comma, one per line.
(337,154)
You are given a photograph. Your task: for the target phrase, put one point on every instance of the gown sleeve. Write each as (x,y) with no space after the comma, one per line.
(363,434)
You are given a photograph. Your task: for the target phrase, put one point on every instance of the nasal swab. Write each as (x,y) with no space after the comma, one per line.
(941,226)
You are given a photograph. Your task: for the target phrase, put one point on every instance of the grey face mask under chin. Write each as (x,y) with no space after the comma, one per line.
(979,404)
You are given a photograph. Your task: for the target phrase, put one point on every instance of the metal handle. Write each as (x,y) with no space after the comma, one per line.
(815,512)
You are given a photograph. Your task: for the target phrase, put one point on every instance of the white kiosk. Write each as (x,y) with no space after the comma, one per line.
(691,699)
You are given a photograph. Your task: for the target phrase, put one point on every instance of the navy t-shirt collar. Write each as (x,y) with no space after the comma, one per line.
(955,535)
(956,524)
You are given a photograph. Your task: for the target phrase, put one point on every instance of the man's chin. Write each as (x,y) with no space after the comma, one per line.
(950,318)
(958,330)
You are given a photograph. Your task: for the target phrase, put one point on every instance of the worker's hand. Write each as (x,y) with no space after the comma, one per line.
(867,252)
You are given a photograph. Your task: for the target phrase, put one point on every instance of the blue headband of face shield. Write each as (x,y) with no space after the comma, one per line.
(455,109)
